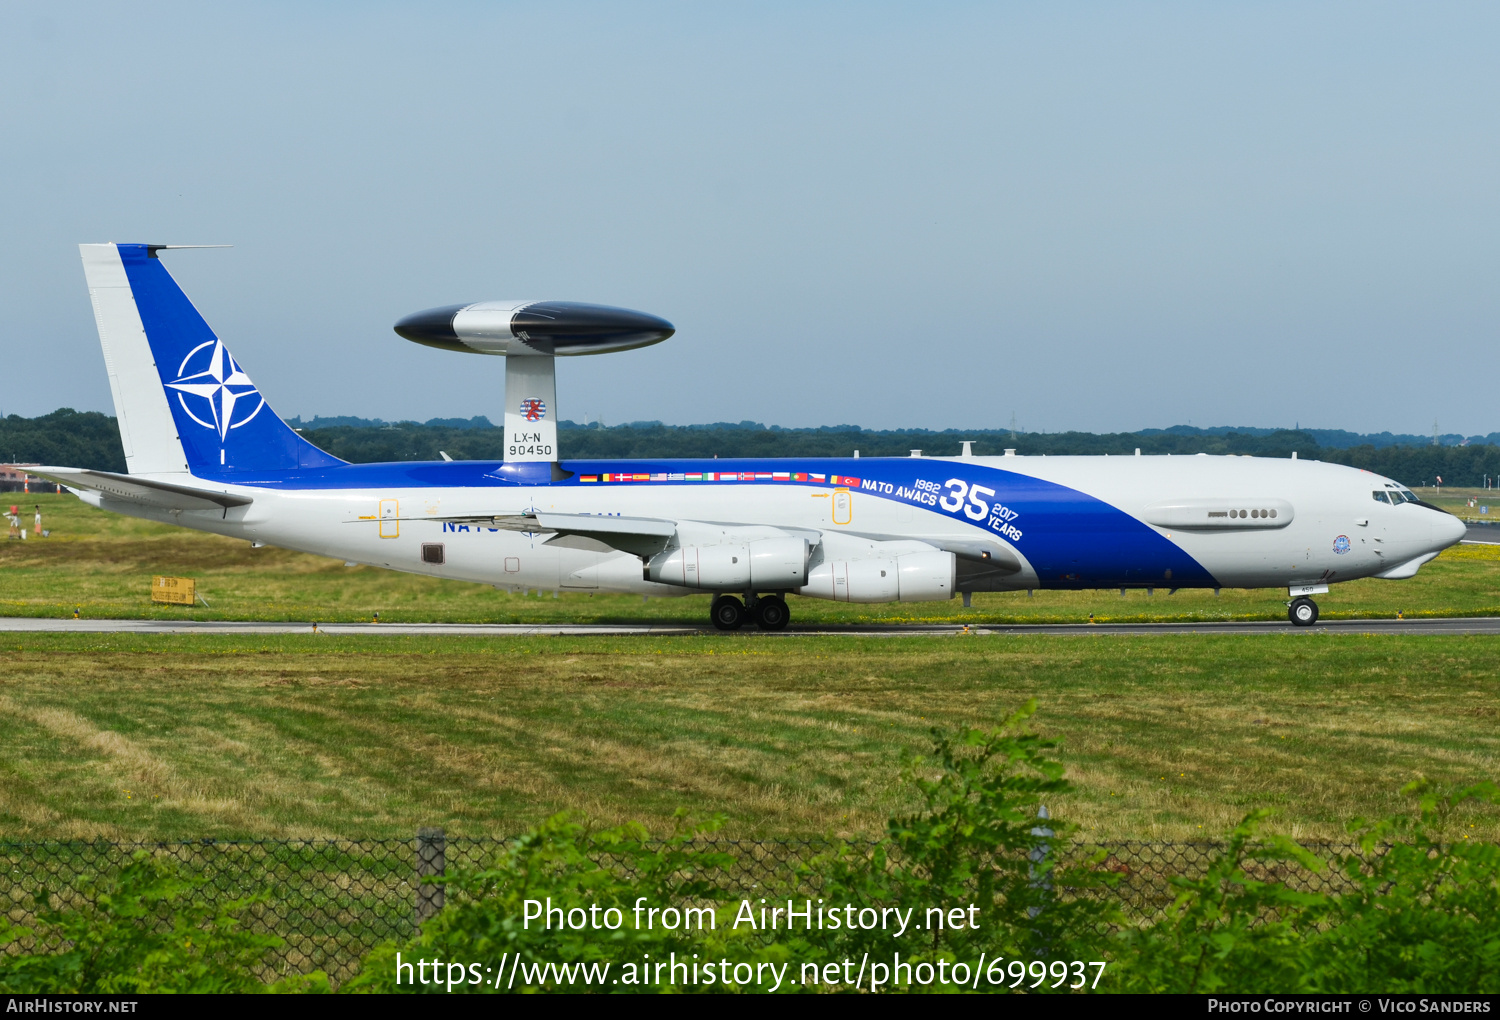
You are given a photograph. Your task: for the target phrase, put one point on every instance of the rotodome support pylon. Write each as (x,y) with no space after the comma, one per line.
(531,334)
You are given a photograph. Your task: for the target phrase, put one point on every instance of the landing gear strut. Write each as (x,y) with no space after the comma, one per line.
(728,613)
(1303,612)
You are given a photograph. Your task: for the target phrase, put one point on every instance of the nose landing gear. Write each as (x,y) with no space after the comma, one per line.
(1303,612)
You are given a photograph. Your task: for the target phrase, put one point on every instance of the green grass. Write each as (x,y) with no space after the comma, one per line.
(188,736)
(1456,501)
(102,564)
(1166,737)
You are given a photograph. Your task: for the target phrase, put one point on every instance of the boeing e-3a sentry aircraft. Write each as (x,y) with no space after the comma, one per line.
(204,450)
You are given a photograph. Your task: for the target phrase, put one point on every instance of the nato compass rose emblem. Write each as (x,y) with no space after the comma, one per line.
(533,409)
(222,393)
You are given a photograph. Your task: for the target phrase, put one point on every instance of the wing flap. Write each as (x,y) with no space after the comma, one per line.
(643,536)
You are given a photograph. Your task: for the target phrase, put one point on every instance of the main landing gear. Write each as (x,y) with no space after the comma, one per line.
(769,612)
(1303,612)
(728,613)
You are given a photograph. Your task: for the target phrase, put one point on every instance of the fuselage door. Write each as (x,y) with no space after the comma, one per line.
(843,506)
(390,522)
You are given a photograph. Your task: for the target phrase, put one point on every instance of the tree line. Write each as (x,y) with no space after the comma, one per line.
(91,440)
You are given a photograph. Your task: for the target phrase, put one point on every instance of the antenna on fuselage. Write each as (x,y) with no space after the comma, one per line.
(531,335)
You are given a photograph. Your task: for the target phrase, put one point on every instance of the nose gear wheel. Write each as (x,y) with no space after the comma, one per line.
(1303,612)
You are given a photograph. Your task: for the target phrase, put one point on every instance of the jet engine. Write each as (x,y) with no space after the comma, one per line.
(910,577)
(769,564)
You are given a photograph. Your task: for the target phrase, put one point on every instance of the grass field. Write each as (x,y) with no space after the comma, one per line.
(102,564)
(1166,737)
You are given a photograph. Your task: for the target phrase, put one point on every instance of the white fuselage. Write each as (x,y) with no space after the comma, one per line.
(1330,527)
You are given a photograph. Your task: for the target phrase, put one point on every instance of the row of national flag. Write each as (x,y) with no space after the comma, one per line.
(722,476)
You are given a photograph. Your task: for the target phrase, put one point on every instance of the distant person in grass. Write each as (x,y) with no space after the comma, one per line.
(36,526)
(14,519)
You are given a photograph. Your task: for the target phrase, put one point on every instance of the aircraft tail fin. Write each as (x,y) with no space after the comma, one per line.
(182,401)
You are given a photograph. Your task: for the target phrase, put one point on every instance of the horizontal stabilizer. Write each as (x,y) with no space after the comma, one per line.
(135,489)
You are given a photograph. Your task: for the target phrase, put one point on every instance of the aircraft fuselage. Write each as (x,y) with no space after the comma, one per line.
(1071,522)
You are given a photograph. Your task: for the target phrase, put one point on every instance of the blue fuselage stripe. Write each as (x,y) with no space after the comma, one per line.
(1071,538)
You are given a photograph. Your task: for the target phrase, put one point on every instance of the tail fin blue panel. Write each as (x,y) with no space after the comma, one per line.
(224,423)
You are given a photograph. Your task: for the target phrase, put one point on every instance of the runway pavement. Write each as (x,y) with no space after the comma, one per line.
(1451,625)
(18,624)
(1482,534)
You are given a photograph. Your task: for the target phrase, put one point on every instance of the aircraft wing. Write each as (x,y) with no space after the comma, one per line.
(644,536)
(135,489)
(982,557)
(647,536)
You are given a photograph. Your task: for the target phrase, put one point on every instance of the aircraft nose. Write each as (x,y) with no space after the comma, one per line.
(1448,529)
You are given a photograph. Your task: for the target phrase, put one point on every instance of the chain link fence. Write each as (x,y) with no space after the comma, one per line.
(331,901)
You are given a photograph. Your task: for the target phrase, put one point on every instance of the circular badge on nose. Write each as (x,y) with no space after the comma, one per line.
(1341,544)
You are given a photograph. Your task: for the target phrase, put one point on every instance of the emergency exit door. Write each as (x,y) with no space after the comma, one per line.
(843,507)
(390,518)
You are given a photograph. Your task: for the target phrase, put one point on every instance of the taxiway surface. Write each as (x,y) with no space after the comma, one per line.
(1445,625)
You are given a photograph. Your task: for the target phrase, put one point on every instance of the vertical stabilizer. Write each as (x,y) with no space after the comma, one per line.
(147,429)
(183,402)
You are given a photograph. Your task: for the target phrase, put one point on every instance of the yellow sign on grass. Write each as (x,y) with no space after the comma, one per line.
(176,590)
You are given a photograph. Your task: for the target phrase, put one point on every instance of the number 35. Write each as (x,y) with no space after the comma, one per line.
(953,500)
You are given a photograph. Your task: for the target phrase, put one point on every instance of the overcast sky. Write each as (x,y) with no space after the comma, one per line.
(1088,216)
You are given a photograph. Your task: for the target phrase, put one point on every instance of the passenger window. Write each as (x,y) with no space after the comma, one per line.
(1380,497)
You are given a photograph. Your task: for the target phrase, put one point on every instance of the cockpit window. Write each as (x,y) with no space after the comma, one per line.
(1409,496)
(1380,497)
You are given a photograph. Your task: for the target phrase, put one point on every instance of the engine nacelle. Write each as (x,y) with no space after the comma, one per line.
(911,577)
(770,564)
(927,577)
